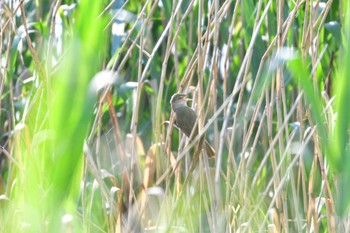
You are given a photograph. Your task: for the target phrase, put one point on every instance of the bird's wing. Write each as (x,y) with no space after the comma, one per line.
(185,119)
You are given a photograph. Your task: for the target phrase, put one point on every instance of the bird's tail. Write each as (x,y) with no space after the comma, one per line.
(210,150)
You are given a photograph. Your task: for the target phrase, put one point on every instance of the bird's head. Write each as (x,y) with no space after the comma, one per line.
(178,100)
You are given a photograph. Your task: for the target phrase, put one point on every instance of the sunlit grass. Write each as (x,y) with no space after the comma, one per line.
(90,143)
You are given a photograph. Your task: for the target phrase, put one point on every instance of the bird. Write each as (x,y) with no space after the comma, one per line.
(186,118)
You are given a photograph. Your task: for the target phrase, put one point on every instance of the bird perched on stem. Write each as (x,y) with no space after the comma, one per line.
(186,118)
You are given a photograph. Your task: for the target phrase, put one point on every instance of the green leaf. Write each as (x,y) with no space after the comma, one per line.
(334,28)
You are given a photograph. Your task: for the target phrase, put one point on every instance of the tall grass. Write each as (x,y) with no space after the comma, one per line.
(89,140)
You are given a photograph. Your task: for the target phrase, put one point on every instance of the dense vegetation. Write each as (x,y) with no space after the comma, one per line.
(88,138)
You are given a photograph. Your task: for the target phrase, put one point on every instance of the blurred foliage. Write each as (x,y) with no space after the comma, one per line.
(88,150)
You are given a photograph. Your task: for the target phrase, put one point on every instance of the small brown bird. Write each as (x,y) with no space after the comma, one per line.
(186,118)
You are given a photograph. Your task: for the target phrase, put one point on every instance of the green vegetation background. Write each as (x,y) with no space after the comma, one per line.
(88,138)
